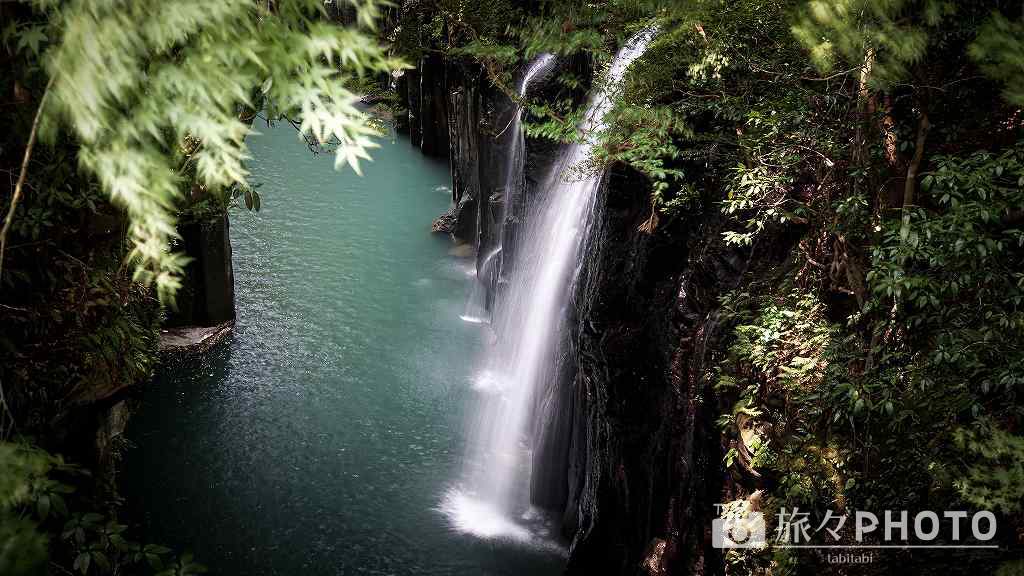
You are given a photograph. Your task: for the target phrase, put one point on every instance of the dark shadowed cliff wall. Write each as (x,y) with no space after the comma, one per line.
(207,297)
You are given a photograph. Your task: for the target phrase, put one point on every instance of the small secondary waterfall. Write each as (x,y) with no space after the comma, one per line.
(493,499)
(478,307)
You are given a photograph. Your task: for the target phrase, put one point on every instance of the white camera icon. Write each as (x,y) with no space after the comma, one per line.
(738,532)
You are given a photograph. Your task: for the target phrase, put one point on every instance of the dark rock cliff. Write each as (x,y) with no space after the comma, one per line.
(207,297)
(644,468)
(643,457)
(446,117)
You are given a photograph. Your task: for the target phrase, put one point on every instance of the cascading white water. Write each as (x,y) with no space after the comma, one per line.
(493,499)
(477,308)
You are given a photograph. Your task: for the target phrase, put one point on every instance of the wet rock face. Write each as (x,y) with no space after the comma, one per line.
(426,92)
(207,297)
(433,102)
(464,102)
(412,95)
(643,468)
(450,109)
(620,447)
(459,221)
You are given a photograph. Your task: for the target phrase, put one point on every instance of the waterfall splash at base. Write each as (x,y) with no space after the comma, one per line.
(477,307)
(493,498)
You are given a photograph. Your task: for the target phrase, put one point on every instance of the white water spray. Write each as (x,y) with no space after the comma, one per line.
(493,500)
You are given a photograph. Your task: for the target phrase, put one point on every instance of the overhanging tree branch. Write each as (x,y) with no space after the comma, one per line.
(16,197)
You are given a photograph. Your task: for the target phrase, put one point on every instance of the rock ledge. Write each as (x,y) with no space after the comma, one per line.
(192,339)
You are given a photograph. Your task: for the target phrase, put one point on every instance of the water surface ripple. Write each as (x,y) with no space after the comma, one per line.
(320,437)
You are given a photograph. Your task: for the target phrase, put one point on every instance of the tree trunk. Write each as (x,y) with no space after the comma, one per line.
(915,164)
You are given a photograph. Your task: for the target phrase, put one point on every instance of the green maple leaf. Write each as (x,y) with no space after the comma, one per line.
(31,38)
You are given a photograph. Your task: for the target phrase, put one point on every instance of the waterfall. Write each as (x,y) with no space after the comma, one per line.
(478,306)
(493,501)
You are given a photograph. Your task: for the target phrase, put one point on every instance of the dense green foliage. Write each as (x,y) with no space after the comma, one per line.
(154,97)
(38,506)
